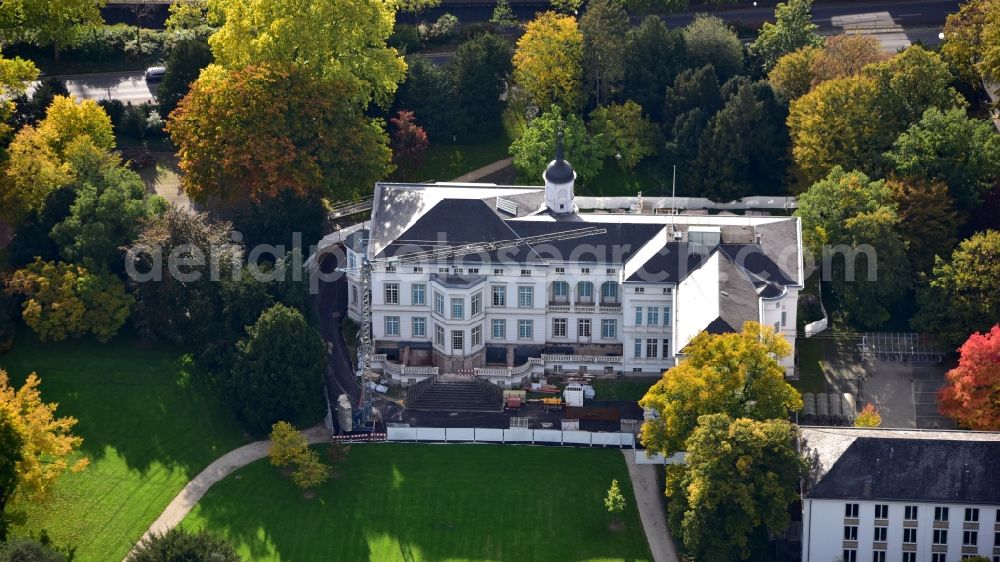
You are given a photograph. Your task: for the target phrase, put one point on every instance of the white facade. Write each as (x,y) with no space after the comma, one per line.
(825,526)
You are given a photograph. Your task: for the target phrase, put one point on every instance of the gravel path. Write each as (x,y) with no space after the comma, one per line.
(223,466)
(649,499)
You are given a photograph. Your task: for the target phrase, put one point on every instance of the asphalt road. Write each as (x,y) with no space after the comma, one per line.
(129,87)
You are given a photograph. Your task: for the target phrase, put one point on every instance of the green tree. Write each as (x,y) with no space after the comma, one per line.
(342,41)
(928,222)
(36,443)
(479,74)
(654,55)
(604,26)
(739,479)
(737,374)
(23,549)
(910,83)
(110,205)
(184,64)
(279,371)
(180,544)
(534,149)
(50,23)
(31,110)
(693,89)
(548,61)
(969,48)
(614,501)
(792,29)
(309,471)
(65,300)
(950,147)
(851,221)
(286,444)
(963,293)
(628,135)
(253,133)
(428,94)
(710,41)
(503,16)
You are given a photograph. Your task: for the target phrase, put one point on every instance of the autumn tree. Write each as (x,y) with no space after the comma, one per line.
(286,444)
(64,300)
(15,75)
(910,83)
(849,222)
(548,61)
(971,395)
(252,133)
(963,293)
(409,143)
(49,23)
(736,374)
(341,41)
(628,135)
(928,222)
(845,55)
(970,38)
(279,369)
(36,445)
(614,501)
(654,55)
(604,26)
(739,478)
(187,15)
(952,148)
(181,544)
(710,41)
(536,147)
(309,472)
(869,417)
(792,29)
(792,75)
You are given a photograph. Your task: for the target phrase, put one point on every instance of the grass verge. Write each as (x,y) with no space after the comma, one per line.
(811,378)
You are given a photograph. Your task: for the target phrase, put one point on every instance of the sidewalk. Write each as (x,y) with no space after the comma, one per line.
(649,500)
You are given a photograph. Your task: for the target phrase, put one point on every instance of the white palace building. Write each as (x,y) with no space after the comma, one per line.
(623,302)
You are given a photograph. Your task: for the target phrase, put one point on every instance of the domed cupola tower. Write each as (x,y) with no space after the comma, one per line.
(559,178)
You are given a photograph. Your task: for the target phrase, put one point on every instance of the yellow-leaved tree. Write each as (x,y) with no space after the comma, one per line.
(548,62)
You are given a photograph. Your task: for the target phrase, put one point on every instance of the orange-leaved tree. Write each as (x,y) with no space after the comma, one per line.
(971,395)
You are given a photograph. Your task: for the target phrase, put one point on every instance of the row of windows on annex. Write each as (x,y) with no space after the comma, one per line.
(502,330)
(510,270)
(851,555)
(500,296)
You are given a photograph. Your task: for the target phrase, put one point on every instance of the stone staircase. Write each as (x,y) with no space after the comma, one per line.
(455,393)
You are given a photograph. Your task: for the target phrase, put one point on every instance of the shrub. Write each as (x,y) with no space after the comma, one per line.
(178,544)
(405,39)
(445,28)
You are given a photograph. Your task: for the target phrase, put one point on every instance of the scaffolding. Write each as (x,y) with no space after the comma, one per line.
(900,346)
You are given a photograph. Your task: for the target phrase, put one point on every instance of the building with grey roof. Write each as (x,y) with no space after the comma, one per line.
(626,301)
(900,495)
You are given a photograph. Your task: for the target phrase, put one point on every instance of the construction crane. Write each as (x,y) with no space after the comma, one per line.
(366,346)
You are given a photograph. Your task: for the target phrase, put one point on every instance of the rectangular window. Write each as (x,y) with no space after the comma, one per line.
(473,271)
(909,557)
(878,556)
(525,273)
(851,510)
(525,297)
(354,294)
(638,316)
(850,555)
(352,261)
(458,308)
(585,270)
(419,327)
(939,557)
(996,538)
(666,316)
(477,335)
(390,267)
(443,270)
(392,293)
(940,513)
(525,329)
(499,329)
(881,511)
(419,293)
(880,534)
(459,271)
(651,348)
(439,303)
(457,340)
(910,513)
(653,316)
(610,271)
(439,335)
(477,304)
(497,272)
(940,536)
(972,515)
(666,348)
(559,327)
(418,269)
(560,270)
(909,535)
(583,327)
(638,348)
(392,325)
(850,532)
(499,295)
(970,538)
(784,321)
(640,290)
(609,329)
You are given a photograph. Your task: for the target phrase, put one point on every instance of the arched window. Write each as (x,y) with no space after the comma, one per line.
(609,291)
(585,290)
(560,290)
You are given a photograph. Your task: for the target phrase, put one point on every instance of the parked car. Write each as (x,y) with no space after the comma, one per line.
(155,73)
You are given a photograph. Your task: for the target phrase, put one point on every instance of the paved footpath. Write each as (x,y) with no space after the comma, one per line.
(649,498)
(223,466)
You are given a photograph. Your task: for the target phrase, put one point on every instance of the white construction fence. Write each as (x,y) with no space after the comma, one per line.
(490,435)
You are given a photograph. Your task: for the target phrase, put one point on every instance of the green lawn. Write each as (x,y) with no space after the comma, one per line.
(148,423)
(811,377)
(630,389)
(447,161)
(432,502)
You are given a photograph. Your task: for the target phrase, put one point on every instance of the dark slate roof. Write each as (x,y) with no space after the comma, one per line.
(737,295)
(929,470)
(669,265)
(614,247)
(751,257)
(559,171)
(779,240)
